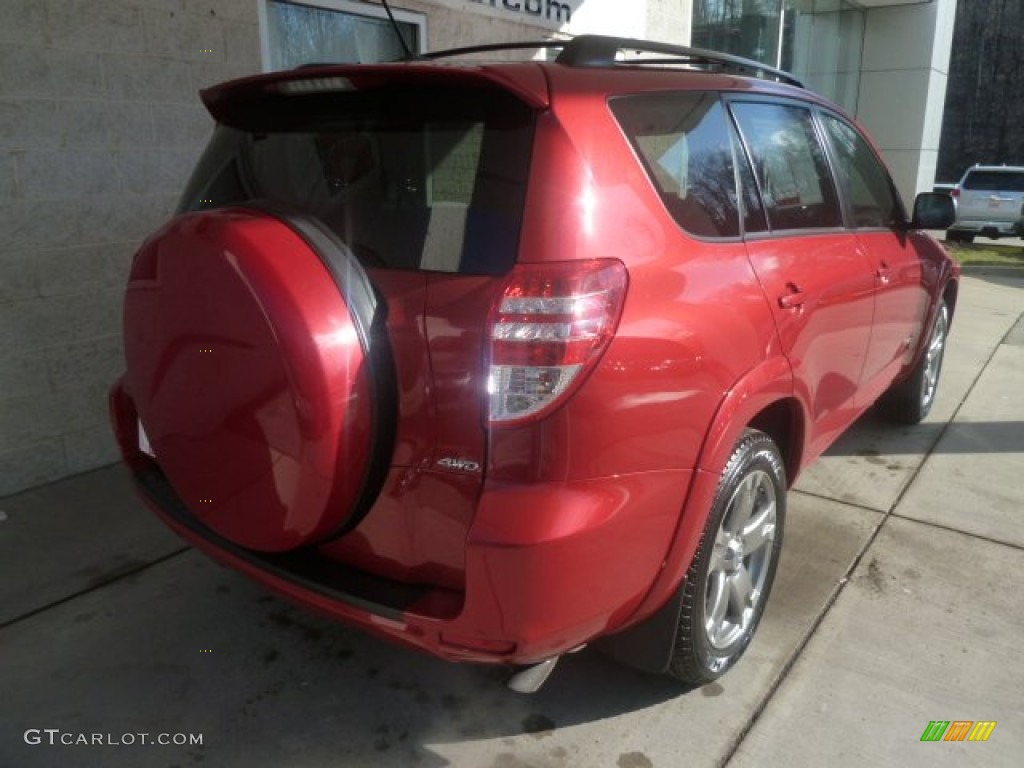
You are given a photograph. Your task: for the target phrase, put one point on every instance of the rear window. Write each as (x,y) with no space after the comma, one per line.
(426,178)
(994,181)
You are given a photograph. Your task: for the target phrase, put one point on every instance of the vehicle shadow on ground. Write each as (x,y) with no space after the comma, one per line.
(396,706)
(873,437)
(186,646)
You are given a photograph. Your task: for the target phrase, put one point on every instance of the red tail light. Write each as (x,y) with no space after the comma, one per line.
(954,192)
(550,327)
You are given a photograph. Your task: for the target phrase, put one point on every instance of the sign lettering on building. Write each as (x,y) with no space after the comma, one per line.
(549,11)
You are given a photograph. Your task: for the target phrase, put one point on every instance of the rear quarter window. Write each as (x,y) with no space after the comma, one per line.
(423,179)
(683,139)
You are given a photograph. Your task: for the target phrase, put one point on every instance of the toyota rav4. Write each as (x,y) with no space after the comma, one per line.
(501,359)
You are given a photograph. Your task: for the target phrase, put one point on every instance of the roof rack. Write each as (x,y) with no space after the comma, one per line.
(523,45)
(603,51)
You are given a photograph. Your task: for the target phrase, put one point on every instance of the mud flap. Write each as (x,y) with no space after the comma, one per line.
(647,646)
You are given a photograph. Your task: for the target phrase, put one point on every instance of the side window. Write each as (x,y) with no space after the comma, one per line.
(863,177)
(790,166)
(683,139)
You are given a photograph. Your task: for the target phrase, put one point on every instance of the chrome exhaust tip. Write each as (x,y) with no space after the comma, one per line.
(530,679)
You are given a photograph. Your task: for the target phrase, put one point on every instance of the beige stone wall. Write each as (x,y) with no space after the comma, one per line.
(99,127)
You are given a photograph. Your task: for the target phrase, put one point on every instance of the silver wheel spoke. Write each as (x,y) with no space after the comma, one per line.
(741,590)
(742,506)
(716,605)
(933,357)
(717,562)
(761,529)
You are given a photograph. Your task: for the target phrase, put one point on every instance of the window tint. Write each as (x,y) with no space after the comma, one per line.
(431,179)
(754,219)
(863,177)
(994,181)
(790,166)
(683,139)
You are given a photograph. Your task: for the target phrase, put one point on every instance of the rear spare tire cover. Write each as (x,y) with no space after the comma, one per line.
(249,358)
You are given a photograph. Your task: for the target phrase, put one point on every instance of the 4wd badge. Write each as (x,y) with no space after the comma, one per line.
(460,465)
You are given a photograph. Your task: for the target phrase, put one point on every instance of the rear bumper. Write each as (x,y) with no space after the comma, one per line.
(548,567)
(997,227)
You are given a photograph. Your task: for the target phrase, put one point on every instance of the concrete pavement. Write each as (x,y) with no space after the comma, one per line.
(898,601)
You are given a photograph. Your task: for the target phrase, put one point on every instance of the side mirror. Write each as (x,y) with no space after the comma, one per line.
(933,211)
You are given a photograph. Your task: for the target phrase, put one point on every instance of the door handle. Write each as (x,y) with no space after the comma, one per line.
(883,273)
(794,299)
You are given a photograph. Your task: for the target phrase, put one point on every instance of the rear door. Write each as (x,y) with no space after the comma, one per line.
(818,282)
(422,176)
(426,185)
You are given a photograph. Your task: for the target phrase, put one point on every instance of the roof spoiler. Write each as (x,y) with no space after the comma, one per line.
(263,94)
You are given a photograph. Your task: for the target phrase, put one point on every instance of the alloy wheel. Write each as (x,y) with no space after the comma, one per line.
(933,357)
(740,560)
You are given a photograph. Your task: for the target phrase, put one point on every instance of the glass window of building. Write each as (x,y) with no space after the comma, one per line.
(820,41)
(336,31)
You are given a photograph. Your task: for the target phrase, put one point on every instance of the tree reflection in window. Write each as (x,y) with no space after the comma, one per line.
(683,140)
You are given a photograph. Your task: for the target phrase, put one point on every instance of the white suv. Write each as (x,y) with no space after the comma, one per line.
(989,202)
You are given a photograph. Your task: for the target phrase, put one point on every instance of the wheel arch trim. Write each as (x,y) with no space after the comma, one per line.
(765,386)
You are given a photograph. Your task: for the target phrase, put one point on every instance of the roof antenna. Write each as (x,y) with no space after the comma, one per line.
(409,55)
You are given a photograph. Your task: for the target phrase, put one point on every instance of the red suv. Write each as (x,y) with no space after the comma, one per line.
(499,360)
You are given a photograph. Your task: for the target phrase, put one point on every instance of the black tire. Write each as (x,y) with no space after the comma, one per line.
(910,400)
(956,236)
(706,646)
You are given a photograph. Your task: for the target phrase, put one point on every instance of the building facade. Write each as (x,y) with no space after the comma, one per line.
(100,126)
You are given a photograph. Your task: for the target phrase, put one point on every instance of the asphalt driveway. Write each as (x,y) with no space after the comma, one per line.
(898,602)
